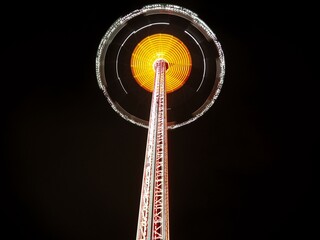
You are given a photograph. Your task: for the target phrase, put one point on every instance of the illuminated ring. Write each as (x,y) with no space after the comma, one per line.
(115,76)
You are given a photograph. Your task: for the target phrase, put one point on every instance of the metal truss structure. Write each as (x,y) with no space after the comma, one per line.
(153,220)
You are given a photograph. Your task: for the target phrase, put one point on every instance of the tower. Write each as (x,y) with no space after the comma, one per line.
(160,67)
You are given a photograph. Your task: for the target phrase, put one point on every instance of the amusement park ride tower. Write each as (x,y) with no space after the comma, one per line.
(166,55)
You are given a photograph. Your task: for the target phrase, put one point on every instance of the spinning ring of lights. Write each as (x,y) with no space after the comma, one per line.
(133,43)
(161,46)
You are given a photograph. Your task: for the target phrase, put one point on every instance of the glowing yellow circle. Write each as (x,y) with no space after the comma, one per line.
(161,46)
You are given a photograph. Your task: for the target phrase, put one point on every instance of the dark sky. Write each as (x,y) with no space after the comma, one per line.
(72,167)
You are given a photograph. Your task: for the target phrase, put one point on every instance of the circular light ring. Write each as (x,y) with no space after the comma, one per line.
(127,97)
(161,46)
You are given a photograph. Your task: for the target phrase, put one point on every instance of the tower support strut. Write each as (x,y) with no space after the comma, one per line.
(153,219)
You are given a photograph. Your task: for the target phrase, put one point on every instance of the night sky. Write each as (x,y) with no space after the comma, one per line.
(72,167)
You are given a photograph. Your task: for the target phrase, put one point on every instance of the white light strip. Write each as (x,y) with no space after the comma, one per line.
(203,58)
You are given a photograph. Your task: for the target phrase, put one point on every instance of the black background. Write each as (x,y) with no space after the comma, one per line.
(72,168)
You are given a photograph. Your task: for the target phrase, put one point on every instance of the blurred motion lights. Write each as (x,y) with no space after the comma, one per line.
(168,48)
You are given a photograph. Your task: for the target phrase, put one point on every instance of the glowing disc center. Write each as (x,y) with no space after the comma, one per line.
(166,47)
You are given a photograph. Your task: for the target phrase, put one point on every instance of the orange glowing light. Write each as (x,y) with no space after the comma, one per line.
(161,46)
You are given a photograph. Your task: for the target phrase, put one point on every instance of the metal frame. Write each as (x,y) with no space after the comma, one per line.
(153,220)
